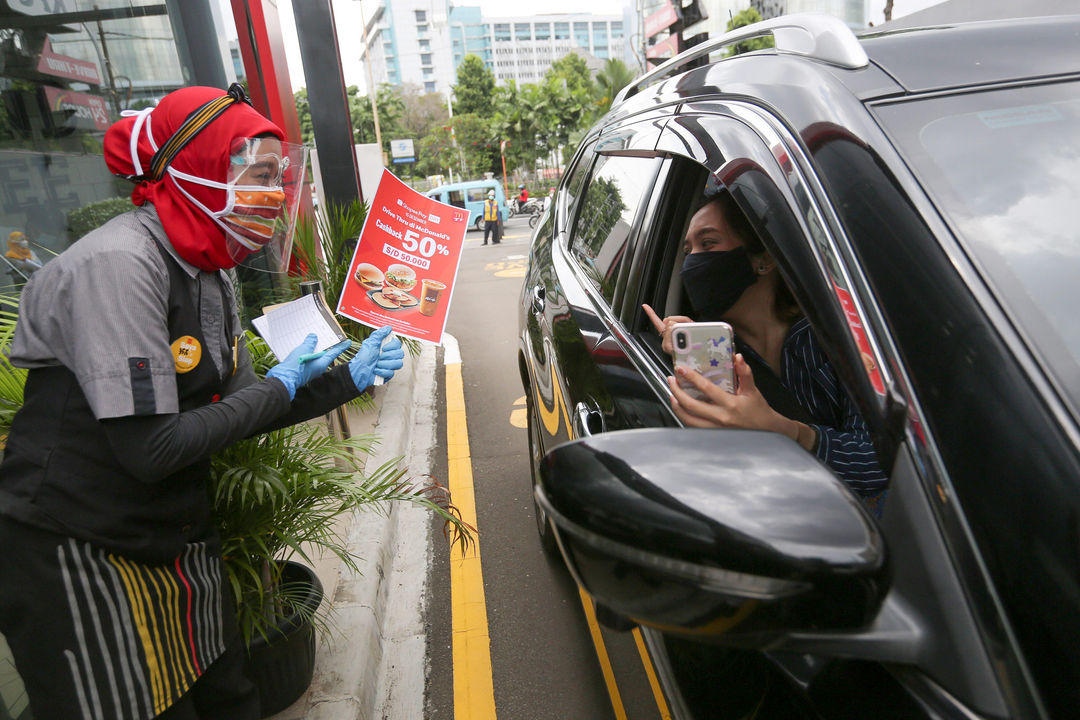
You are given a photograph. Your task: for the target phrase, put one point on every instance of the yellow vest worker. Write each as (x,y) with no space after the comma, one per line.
(491,219)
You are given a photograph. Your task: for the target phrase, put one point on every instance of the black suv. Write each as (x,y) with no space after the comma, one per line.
(920,193)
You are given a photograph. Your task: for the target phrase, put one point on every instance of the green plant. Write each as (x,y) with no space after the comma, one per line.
(93,215)
(280,493)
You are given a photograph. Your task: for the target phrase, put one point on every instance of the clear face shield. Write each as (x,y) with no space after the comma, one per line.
(265,179)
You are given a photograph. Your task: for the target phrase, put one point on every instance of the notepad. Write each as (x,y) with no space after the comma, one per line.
(285,326)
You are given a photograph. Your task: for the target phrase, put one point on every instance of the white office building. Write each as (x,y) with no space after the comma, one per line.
(409,42)
(522,48)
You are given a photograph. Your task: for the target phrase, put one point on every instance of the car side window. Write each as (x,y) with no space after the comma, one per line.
(571,190)
(477,194)
(457,197)
(601,238)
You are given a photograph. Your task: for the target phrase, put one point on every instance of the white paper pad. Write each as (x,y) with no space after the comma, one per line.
(286,326)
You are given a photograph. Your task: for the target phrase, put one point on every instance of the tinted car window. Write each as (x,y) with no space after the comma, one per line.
(571,191)
(456,197)
(601,240)
(1003,167)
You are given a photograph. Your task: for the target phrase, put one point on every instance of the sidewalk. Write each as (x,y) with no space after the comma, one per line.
(372,665)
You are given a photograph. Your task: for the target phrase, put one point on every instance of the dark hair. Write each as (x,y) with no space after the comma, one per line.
(784,303)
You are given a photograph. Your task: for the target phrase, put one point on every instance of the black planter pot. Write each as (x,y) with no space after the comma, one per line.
(282,664)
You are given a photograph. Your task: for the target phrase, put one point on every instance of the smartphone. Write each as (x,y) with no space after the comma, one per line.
(707,347)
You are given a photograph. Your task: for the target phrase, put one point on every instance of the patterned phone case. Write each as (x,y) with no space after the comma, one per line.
(709,351)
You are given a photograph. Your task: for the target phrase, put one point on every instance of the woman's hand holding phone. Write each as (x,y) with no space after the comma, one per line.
(746,408)
(664,326)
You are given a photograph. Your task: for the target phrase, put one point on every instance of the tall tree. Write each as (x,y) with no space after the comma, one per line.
(569,88)
(609,81)
(391,112)
(423,112)
(572,71)
(475,87)
(749,16)
(303,115)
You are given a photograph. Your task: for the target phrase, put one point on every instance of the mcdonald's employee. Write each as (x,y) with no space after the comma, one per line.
(491,218)
(111,589)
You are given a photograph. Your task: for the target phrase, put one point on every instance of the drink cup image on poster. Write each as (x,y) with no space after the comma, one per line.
(406,261)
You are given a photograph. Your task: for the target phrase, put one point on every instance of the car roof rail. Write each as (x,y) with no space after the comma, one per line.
(822,37)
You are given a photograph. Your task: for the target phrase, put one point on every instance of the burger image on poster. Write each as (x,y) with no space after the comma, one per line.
(393,292)
(401,277)
(369,276)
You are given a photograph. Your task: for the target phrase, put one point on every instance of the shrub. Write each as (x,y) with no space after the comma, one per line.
(94,215)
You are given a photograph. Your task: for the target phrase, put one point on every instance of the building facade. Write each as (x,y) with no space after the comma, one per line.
(422,42)
(409,42)
(522,48)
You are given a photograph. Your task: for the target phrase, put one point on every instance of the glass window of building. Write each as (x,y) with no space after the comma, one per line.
(599,35)
(502,32)
(542,31)
(421,16)
(581,34)
(562,31)
(429,87)
(425,44)
(522,31)
(58,95)
(425,59)
(616,31)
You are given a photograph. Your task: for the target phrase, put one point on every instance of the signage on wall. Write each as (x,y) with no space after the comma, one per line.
(88,111)
(401,151)
(662,19)
(44,7)
(664,49)
(66,67)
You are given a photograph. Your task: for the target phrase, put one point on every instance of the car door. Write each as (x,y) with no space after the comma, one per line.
(583,383)
(766,170)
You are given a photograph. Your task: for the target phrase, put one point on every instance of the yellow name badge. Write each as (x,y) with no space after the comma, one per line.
(186,352)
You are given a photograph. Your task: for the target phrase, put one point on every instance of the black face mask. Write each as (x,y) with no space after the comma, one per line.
(715,281)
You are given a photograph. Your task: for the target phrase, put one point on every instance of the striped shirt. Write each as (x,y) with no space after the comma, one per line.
(843,439)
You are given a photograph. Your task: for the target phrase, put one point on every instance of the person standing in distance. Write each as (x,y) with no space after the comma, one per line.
(112,595)
(491,218)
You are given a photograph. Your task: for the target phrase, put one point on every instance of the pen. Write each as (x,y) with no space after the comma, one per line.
(312,356)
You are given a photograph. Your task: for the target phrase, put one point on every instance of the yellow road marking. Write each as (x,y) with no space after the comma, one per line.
(507,268)
(518,417)
(650,672)
(602,656)
(474,694)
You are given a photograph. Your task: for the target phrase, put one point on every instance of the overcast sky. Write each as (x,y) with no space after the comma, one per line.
(346,15)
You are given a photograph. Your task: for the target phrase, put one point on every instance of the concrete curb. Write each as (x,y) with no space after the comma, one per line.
(374,658)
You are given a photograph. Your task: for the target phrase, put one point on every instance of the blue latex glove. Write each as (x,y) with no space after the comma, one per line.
(375,358)
(294,374)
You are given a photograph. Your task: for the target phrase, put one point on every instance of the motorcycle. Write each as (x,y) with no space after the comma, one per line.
(532,207)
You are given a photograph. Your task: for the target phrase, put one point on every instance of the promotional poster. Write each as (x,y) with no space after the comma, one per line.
(402,273)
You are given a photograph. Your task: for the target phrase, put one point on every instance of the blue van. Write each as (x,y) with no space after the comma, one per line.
(471,195)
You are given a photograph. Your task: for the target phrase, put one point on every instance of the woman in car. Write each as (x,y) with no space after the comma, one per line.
(785,382)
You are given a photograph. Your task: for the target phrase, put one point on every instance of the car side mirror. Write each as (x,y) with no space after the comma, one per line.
(736,536)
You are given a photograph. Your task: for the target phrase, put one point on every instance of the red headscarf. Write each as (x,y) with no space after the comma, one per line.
(194,234)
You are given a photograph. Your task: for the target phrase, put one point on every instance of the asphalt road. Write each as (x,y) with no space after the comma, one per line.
(544,666)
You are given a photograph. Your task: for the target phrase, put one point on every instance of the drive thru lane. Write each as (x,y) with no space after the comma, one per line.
(542,656)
